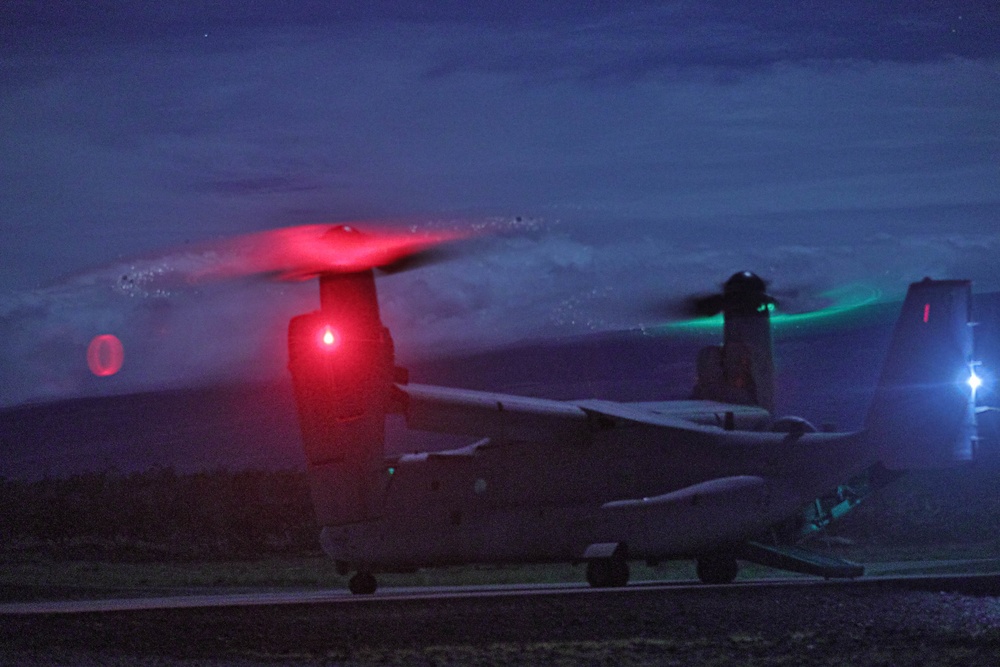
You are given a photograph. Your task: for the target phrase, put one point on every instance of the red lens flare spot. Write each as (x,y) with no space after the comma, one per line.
(329,338)
(105,355)
(927,312)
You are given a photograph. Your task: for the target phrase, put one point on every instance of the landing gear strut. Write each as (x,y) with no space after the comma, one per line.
(607,572)
(363,583)
(717,569)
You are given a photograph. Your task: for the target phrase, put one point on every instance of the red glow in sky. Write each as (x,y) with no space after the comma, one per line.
(105,355)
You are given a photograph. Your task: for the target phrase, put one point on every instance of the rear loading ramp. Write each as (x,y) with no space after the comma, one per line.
(794,559)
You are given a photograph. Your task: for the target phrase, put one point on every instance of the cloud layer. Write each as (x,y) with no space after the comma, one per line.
(663,146)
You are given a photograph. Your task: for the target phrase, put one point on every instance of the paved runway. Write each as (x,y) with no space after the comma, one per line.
(905,620)
(883,574)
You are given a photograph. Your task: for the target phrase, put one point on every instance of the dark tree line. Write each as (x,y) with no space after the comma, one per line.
(160,514)
(163,515)
(959,505)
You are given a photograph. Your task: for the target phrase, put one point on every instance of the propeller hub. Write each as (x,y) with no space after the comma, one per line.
(339,232)
(745,293)
(744,282)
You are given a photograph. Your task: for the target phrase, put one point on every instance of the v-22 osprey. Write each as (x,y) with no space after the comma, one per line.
(716,478)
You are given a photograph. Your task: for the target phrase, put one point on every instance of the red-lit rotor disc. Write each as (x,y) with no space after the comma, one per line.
(298,253)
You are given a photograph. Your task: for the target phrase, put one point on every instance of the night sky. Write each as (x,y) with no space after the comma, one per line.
(618,153)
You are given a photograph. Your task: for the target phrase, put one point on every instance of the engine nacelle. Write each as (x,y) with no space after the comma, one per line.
(341,359)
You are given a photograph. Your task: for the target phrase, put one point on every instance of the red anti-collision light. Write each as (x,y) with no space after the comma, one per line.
(329,338)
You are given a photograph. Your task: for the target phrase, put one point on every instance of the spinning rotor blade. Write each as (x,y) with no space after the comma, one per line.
(300,253)
(735,292)
(430,256)
(746,292)
(743,292)
(706,305)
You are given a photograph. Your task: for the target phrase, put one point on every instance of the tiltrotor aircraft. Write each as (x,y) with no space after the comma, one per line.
(717,478)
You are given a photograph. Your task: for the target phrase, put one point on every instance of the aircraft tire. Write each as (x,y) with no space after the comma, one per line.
(607,573)
(363,583)
(717,569)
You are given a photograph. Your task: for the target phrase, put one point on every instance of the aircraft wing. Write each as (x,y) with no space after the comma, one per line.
(495,416)
(507,417)
(682,414)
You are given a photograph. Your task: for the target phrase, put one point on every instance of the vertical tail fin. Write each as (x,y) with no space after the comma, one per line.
(923,414)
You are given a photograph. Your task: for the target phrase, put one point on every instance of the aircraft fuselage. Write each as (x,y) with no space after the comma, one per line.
(660,496)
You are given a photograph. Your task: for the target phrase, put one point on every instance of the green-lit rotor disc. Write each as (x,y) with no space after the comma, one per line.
(849,305)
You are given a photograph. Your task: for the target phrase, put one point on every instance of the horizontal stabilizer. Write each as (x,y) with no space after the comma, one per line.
(794,559)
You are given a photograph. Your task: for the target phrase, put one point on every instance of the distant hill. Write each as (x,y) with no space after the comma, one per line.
(187,429)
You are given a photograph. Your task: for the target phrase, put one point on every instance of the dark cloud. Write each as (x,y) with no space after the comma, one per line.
(262,185)
(602,37)
(671,39)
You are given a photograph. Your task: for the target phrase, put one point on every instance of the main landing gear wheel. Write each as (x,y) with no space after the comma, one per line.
(717,569)
(607,572)
(363,583)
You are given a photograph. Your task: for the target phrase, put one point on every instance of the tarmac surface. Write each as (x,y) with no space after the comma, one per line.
(886,573)
(876,620)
